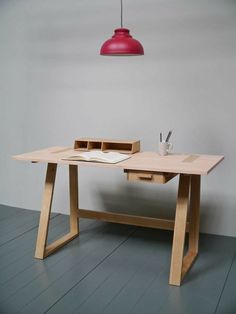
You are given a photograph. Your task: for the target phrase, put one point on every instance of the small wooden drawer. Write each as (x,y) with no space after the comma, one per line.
(149,176)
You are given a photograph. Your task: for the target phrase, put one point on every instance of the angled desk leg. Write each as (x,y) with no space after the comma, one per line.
(180,265)
(42,249)
(179,230)
(194,220)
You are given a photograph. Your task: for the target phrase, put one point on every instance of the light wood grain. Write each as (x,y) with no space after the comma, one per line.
(73,188)
(108,140)
(173,163)
(194,213)
(188,261)
(149,176)
(52,247)
(128,219)
(181,265)
(179,231)
(143,161)
(126,147)
(45,211)
(194,221)
(42,249)
(145,167)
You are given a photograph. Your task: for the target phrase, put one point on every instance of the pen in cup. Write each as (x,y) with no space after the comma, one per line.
(168,136)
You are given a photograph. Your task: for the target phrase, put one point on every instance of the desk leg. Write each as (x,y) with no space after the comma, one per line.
(74,199)
(194,219)
(42,249)
(180,265)
(179,230)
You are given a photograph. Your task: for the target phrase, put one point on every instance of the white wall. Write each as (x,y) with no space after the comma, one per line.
(54,87)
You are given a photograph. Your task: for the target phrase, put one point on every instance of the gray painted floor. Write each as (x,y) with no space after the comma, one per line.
(109,268)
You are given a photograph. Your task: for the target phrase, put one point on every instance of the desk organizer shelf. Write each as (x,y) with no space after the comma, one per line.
(125,147)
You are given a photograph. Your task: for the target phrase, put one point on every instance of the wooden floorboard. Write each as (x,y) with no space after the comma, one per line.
(17,220)
(19,274)
(13,250)
(14,226)
(132,290)
(227,302)
(25,243)
(136,260)
(110,268)
(77,258)
(147,258)
(21,257)
(202,287)
(75,267)
(9,211)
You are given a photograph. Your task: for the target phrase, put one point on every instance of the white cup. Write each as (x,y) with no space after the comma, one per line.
(164,148)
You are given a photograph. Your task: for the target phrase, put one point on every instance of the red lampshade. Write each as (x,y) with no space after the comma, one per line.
(122,44)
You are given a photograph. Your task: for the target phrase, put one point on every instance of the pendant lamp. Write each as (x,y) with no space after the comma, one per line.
(122,43)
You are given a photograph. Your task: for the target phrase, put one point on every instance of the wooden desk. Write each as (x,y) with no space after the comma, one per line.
(145,167)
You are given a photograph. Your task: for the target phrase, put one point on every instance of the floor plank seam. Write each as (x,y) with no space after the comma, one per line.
(11,215)
(116,248)
(119,291)
(91,223)
(233,258)
(7,242)
(39,275)
(92,293)
(123,287)
(26,253)
(94,288)
(145,291)
(34,227)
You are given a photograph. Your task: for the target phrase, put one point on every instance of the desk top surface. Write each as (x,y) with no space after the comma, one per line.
(146,161)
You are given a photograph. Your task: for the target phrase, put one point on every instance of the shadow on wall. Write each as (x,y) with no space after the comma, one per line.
(160,204)
(137,201)
(212,215)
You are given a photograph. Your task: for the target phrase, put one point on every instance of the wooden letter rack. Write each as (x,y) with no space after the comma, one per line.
(125,147)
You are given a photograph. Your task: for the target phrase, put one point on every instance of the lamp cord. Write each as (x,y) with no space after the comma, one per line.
(121,13)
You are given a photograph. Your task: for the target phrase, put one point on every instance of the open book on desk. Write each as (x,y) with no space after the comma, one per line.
(98,156)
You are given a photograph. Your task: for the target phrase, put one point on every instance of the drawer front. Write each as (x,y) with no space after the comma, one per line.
(149,176)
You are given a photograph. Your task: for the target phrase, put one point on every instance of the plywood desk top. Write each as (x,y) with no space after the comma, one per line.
(141,166)
(146,161)
(174,163)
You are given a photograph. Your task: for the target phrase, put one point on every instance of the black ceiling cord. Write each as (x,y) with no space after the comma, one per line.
(121,13)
